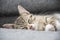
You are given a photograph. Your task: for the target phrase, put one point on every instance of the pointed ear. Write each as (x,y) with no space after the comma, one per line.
(22,10)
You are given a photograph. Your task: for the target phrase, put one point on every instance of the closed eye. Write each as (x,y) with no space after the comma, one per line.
(29,21)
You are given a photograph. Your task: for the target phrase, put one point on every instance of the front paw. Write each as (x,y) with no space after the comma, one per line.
(9,26)
(49,27)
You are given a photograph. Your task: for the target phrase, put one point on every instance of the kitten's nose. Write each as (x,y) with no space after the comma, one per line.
(31,27)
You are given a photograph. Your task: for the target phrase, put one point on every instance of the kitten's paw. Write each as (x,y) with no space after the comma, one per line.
(49,27)
(8,26)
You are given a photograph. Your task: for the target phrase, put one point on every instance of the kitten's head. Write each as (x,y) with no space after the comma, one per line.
(27,16)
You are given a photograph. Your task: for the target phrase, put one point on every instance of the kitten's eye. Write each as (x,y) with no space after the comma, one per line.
(29,21)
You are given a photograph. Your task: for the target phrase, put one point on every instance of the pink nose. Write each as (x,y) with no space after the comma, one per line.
(31,27)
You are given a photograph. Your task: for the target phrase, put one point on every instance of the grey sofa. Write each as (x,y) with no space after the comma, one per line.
(9,7)
(18,34)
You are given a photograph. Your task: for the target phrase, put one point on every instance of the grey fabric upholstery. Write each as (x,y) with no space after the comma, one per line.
(18,34)
(10,6)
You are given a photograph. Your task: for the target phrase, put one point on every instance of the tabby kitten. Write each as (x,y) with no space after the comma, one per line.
(26,20)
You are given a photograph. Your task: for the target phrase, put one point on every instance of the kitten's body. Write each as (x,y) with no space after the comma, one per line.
(26,20)
(37,22)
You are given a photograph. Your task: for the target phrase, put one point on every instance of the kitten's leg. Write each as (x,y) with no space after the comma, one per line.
(9,26)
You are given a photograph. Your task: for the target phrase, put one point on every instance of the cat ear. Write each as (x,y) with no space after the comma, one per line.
(22,10)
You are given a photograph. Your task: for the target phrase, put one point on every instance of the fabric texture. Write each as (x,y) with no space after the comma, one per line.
(18,34)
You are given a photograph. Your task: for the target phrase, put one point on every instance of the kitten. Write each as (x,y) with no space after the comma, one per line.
(26,20)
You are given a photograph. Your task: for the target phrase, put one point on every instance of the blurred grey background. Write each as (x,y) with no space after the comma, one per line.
(9,7)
